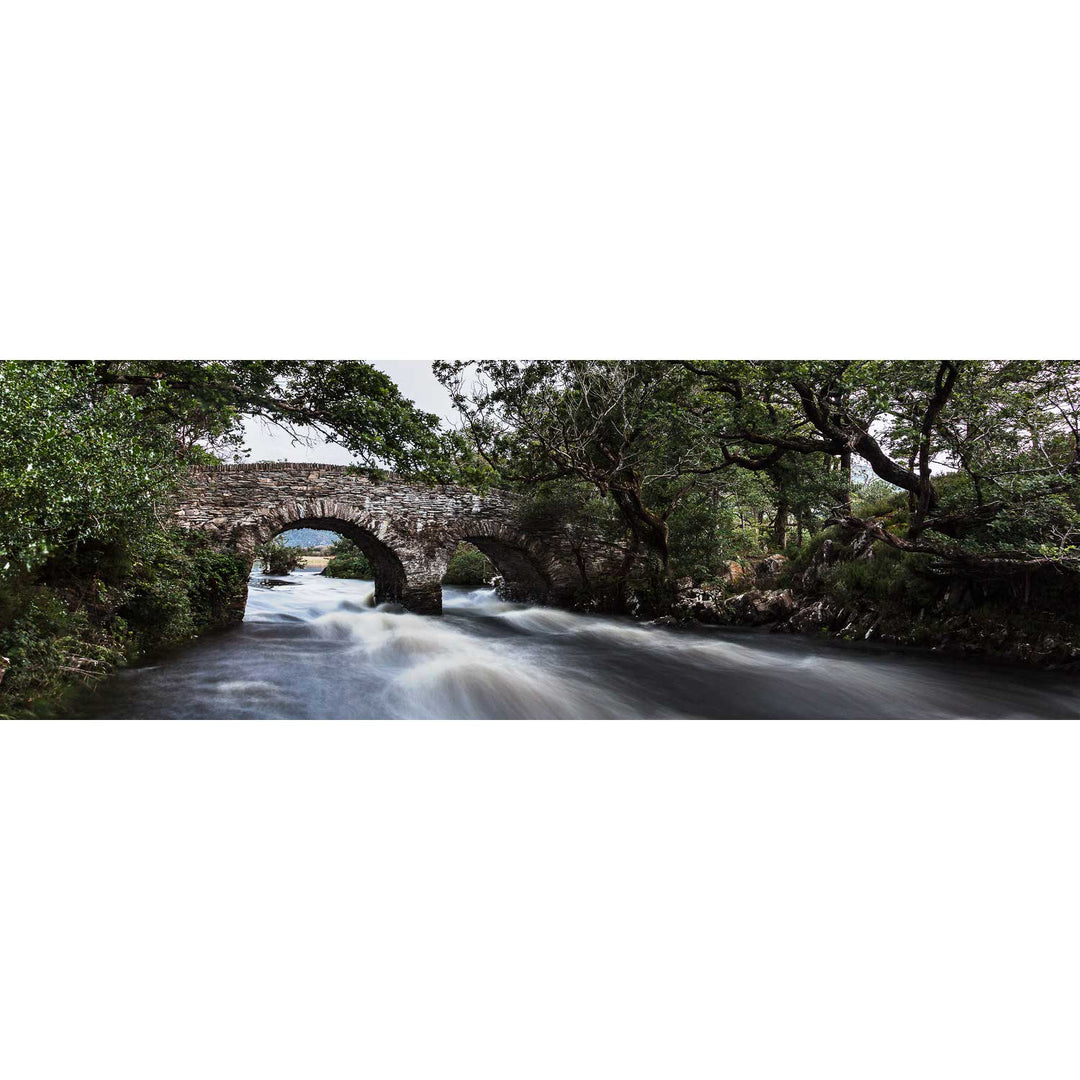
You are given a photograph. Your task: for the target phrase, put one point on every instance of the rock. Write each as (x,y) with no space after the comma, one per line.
(770,566)
(734,573)
(702,603)
(5,663)
(816,615)
(758,607)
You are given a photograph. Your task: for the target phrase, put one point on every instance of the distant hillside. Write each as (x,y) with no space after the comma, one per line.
(308,537)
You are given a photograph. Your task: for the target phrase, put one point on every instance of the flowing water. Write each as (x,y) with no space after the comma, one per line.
(318,648)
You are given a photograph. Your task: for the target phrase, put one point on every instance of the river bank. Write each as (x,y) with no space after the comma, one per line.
(859,591)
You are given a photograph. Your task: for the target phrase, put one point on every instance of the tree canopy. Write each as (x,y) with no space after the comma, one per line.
(653,435)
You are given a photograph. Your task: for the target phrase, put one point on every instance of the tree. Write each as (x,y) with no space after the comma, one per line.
(468,567)
(76,467)
(912,421)
(627,428)
(348,402)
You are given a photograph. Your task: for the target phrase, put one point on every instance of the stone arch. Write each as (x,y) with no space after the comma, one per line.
(403,569)
(523,562)
(390,577)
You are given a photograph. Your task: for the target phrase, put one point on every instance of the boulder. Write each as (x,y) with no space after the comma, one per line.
(758,607)
(734,573)
(702,603)
(664,620)
(816,616)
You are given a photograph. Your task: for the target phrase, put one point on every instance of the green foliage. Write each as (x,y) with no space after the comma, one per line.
(348,561)
(876,498)
(469,567)
(131,600)
(50,648)
(348,401)
(800,558)
(277,558)
(180,588)
(890,577)
(627,430)
(567,504)
(76,466)
(708,530)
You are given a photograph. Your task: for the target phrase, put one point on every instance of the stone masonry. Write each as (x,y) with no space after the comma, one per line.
(408,530)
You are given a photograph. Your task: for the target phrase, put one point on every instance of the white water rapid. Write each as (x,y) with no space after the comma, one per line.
(318,648)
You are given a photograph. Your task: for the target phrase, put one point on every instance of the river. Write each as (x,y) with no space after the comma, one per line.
(317,648)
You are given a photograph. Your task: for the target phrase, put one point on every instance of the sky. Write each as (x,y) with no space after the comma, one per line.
(413,377)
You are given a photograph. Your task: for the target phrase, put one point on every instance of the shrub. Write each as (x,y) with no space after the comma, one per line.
(468,566)
(215,579)
(348,561)
(277,558)
(890,578)
(51,648)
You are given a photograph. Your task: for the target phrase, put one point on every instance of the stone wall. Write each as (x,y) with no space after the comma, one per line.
(407,530)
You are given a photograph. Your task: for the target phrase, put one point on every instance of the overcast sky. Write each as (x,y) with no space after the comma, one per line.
(416,381)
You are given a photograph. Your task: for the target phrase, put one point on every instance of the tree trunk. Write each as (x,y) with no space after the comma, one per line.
(780,525)
(845,474)
(648,528)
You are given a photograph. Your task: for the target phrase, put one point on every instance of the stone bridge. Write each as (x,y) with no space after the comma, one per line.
(407,530)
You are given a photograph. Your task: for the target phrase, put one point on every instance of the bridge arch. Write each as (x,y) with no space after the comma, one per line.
(408,530)
(391,579)
(523,563)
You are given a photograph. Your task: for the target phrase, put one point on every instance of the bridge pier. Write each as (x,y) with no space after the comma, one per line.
(423,598)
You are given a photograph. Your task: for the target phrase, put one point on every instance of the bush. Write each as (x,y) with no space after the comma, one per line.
(890,578)
(348,561)
(468,566)
(799,558)
(277,558)
(216,578)
(51,649)
(158,611)
(80,615)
